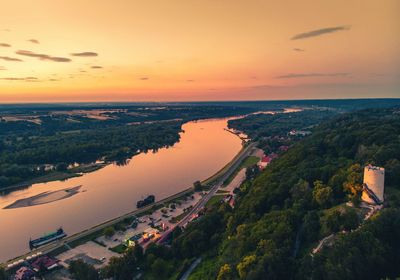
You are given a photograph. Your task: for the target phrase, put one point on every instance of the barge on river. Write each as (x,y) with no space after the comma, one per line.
(47,238)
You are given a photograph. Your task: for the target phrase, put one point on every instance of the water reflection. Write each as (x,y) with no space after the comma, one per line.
(203,149)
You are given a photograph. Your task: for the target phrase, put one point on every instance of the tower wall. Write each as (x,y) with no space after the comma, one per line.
(374,178)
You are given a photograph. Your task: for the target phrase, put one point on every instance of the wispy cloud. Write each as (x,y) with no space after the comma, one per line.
(19,79)
(5,45)
(7,58)
(144,78)
(96,67)
(43,56)
(85,54)
(34,41)
(299,50)
(2,68)
(306,75)
(319,32)
(189,80)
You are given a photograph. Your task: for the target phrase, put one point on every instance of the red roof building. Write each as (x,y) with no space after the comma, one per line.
(24,273)
(44,261)
(266,159)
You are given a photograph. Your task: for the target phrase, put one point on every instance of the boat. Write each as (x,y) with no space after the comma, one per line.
(148,200)
(47,238)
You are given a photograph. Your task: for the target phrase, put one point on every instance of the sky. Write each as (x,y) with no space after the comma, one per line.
(186,50)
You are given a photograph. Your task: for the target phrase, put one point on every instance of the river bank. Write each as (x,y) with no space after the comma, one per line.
(204,148)
(56,176)
(97,231)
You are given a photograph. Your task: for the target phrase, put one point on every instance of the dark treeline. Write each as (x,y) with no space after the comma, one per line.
(259,126)
(19,159)
(282,213)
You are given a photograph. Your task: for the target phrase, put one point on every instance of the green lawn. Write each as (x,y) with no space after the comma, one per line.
(214,200)
(222,192)
(120,249)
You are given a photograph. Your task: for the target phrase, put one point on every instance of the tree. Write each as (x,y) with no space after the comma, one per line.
(353,185)
(109,231)
(160,268)
(300,190)
(333,221)
(245,265)
(83,271)
(311,226)
(3,275)
(225,272)
(197,186)
(322,194)
(252,172)
(350,219)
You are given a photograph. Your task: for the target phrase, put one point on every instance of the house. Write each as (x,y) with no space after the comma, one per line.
(265,160)
(44,262)
(24,273)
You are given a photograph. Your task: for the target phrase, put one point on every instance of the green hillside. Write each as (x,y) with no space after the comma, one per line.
(282,214)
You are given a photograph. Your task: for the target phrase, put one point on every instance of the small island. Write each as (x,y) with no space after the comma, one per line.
(44,198)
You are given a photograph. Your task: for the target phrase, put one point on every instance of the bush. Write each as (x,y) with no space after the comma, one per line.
(109,231)
(82,271)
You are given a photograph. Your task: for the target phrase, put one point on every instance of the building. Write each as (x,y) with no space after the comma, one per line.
(132,241)
(24,273)
(374,184)
(44,262)
(265,160)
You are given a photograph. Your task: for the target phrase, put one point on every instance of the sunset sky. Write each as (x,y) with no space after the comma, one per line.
(161,50)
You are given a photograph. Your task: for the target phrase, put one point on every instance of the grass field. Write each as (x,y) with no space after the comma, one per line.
(214,200)
(120,249)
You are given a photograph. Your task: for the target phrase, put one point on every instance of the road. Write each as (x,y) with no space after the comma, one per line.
(191,268)
(202,202)
(217,185)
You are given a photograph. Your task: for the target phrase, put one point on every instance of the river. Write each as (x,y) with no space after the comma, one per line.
(204,148)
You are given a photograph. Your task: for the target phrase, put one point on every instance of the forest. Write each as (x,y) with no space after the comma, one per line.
(282,213)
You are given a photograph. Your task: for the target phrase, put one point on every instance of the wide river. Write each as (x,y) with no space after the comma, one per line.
(203,149)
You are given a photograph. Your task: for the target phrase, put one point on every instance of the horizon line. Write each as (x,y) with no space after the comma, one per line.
(196,101)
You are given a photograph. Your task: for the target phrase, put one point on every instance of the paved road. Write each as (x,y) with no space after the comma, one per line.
(191,268)
(202,202)
(217,185)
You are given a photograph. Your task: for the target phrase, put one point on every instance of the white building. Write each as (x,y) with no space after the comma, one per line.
(374,184)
